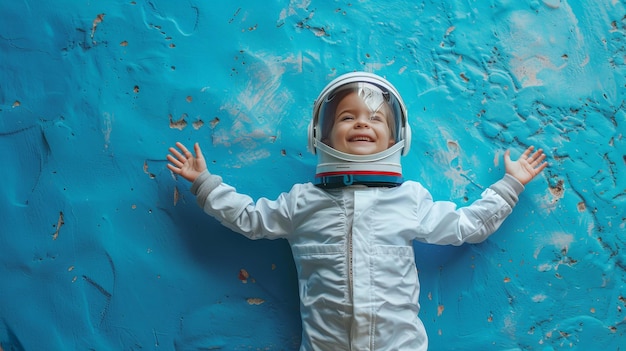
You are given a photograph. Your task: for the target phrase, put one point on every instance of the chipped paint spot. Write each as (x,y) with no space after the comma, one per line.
(243,276)
(99,18)
(557,190)
(255,301)
(60,223)
(179,124)
(198,124)
(108,128)
(145,170)
(560,241)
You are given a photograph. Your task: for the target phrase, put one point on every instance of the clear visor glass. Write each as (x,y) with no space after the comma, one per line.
(377,101)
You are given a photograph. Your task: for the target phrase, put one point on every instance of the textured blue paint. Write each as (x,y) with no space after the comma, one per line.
(103,249)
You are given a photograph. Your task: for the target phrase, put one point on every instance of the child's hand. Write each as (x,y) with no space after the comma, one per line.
(526,167)
(185,164)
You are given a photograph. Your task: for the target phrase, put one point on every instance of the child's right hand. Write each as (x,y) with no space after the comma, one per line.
(527,166)
(185,164)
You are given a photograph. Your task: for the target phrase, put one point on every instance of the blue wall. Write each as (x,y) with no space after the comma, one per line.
(103,249)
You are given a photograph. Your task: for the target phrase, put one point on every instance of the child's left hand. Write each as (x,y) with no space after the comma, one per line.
(526,167)
(184,163)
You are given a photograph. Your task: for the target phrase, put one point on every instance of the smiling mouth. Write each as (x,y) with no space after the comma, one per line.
(362,138)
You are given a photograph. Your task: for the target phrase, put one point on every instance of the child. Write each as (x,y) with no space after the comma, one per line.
(351,232)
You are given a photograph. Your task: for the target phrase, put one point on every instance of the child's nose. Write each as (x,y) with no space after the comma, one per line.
(363,121)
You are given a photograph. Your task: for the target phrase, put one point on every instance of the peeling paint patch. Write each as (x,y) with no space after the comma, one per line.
(243,276)
(99,18)
(60,223)
(179,124)
(108,128)
(255,301)
(557,190)
(560,241)
(145,170)
(198,124)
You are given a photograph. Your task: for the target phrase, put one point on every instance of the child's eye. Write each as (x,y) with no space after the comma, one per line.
(346,118)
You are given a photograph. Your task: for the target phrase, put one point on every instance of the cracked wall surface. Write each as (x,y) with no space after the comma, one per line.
(103,248)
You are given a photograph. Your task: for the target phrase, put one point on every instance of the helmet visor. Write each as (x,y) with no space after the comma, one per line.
(375,101)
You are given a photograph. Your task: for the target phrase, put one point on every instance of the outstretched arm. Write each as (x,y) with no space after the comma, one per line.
(184,163)
(527,166)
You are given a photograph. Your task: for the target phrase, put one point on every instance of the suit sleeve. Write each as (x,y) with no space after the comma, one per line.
(239,212)
(441,222)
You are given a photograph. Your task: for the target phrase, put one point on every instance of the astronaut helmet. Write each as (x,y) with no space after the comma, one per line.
(378,98)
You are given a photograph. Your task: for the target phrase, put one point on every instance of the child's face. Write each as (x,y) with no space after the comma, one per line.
(358,130)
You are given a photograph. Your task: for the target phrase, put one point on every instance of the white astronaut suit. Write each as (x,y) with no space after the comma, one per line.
(351,232)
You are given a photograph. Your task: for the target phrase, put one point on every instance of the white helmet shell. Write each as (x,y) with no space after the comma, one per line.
(336,168)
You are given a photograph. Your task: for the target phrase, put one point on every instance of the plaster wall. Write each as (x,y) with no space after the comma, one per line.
(103,249)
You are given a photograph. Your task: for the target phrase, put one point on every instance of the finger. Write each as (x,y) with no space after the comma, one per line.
(177,154)
(537,154)
(541,167)
(538,160)
(197,150)
(533,160)
(184,150)
(528,151)
(174,161)
(174,169)
(541,158)
(507,156)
